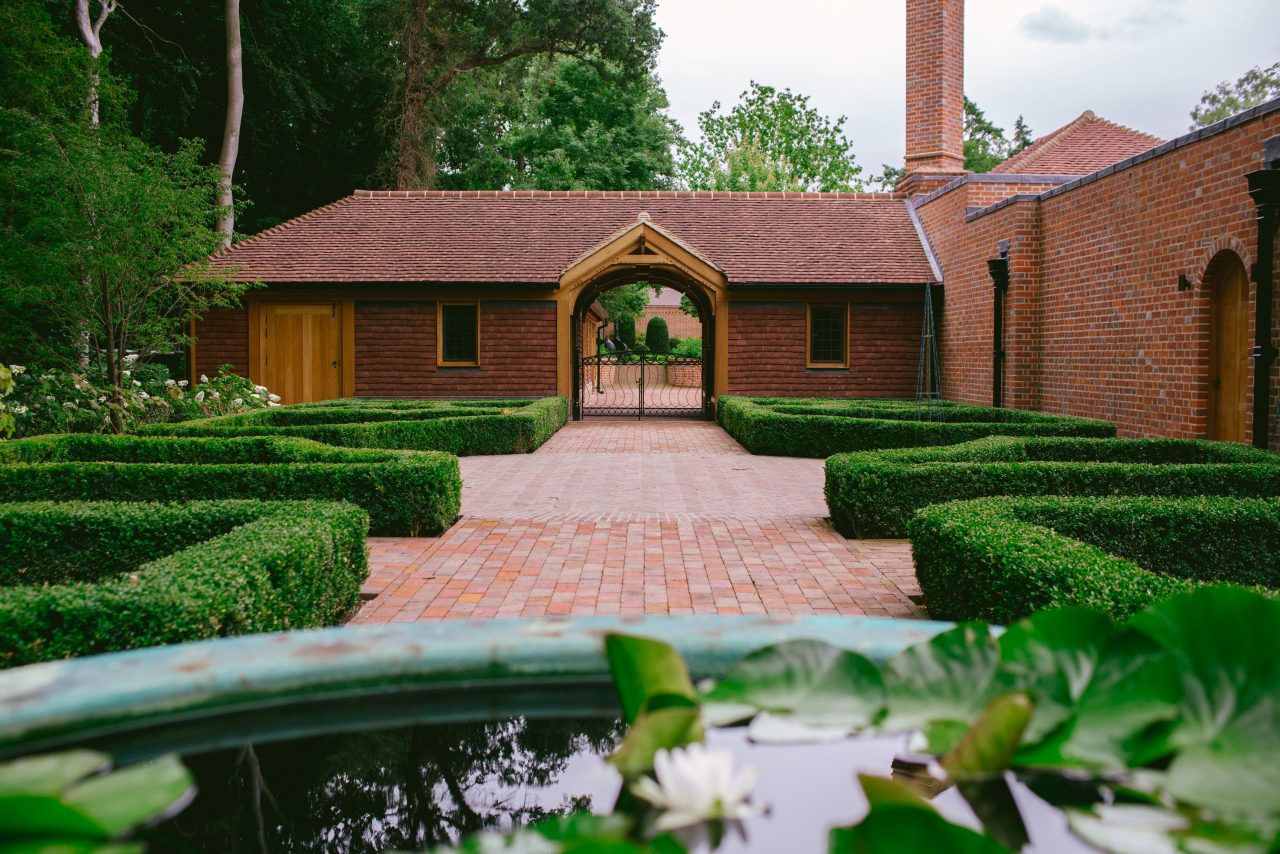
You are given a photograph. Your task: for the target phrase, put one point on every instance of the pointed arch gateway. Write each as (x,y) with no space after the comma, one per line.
(646,252)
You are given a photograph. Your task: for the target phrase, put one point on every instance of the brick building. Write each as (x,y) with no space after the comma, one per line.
(1102,272)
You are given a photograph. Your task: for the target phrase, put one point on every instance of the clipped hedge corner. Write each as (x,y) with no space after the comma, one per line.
(1002,559)
(406,493)
(461,427)
(83,578)
(875,494)
(805,427)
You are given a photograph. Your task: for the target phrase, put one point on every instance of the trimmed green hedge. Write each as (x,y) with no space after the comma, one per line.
(463,427)
(405,492)
(1002,559)
(83,578)
(875,494)
(803,427)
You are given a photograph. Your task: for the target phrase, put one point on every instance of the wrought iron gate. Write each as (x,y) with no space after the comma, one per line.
(638,385)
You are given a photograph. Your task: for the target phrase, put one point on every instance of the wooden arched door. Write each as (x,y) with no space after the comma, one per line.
(1228,350)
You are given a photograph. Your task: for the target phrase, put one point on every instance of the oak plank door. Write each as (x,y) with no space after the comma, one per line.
(302,351)
(1229,355)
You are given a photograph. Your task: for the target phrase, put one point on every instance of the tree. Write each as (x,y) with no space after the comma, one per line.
(1257,86)
(985,146)
(108,237)
(90,29)
(443,40)
(590,127)
(771,140)
(622,305)
(888,178)
(657,337)
(1022,138)
(555,123)
(231,130)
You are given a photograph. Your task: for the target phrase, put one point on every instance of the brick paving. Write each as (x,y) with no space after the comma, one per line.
(629,517)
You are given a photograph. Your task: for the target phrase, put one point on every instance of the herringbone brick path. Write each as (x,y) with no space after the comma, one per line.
(638,518)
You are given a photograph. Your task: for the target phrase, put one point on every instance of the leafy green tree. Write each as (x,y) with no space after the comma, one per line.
(770,140)
(1257,86)
(623,305)
(108,237)
(888,178)
(444,40)
(985,145)
(555,123)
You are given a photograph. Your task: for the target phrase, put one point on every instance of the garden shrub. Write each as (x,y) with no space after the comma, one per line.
(875,494)
(463,427)
(656,336)
(82,578)
(625,330)
(55,401)
(688,347)
(1001,559)
(803,427)
(406,493)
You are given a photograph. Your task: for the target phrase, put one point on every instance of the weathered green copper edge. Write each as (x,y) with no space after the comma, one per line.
(89,697)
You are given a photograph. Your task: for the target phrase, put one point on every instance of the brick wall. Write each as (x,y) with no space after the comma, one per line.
(1096,325)
(679,324)
(396,351)
(767,351)
(222,338)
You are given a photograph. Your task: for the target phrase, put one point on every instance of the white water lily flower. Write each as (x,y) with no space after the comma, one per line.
(695,784)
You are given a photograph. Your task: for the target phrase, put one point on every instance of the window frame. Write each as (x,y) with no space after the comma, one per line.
(808,336)
(440,360)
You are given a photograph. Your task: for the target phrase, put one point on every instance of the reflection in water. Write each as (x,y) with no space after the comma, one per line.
(402,788)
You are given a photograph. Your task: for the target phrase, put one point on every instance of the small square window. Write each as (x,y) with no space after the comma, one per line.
(828,335)
(459,333)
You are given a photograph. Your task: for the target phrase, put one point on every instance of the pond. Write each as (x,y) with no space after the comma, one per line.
(416,787)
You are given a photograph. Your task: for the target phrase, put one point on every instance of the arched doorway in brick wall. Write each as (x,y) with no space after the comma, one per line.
(611,379)
(1228,284)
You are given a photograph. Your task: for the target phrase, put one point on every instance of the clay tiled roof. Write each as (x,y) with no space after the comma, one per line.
(531,236)
(1080,148)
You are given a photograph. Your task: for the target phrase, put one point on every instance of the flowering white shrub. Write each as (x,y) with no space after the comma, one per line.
(55,401)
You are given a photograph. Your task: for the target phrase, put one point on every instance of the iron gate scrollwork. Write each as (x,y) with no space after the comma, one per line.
(642,384)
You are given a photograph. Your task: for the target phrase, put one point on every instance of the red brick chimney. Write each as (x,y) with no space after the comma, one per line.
(935,90)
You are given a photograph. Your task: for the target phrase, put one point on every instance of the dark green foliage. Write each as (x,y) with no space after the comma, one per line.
(406,493)
(626,331)
(656,336)
(464,428)
(1001,559)
(876,494)
(166,573)
(807,427)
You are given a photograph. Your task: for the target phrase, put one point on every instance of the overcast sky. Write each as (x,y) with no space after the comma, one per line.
(1142,63)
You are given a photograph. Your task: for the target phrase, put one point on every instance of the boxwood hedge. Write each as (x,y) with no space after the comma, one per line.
(803,427)
(875,494)
(1001,559)
(84,577)
(406,493)
(462,427)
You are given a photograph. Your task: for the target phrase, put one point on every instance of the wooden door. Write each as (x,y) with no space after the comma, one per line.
(301,347)
(1229,354)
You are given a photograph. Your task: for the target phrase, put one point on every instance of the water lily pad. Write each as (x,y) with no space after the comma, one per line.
(1123,717)
(987,749)
(662,729)
(952,677)
(125,799)
(901,828)
(50,773)
(810,681)
(1051,656)
(1223,642)
(644,671)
